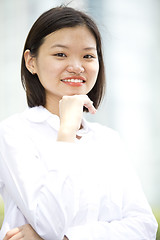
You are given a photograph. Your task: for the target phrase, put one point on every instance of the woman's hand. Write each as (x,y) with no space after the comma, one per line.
(25,232)
(71,112)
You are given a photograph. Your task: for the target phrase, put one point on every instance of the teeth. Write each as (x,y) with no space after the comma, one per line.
(73,80)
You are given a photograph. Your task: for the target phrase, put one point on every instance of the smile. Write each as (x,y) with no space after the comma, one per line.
(73,80)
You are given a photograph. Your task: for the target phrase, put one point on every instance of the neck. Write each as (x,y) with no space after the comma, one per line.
(52,105)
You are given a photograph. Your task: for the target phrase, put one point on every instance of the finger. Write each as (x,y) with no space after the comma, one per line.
(11,233)
(89,105)
(90,108)
(17,236)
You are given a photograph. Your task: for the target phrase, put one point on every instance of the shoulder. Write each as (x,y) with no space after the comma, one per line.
(107,139)
(103,131)
(15,124)
(109,143)
(10,122)
(11,128)
(28,123)
(21,120)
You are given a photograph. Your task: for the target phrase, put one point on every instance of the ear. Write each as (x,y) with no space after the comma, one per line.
(30,61)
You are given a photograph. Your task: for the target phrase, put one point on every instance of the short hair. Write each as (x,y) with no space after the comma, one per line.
(51,21)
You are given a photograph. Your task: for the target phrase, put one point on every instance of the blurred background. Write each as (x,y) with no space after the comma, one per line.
(131,42)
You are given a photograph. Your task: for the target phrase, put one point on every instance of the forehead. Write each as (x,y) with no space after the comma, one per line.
(72,35)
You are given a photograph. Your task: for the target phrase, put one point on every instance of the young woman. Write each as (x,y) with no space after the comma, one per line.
(62,177)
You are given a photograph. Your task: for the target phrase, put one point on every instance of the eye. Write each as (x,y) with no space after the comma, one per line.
(88,56)
(60,55)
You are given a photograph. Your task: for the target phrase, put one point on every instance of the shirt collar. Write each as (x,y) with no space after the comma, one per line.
(40,114)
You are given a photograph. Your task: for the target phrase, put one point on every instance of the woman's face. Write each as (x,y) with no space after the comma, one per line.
(67,63)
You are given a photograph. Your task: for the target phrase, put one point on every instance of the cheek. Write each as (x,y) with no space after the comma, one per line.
(93,74)
(94,71)
(50,69)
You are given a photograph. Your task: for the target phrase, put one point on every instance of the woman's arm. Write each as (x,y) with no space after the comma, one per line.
(42,191)
(125,199)
(137,220)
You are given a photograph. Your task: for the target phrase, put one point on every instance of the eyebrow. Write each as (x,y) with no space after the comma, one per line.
(90,48)
(59,45)
(63,46)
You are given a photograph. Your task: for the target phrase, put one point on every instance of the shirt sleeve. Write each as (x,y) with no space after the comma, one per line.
(44,194)
(137,221)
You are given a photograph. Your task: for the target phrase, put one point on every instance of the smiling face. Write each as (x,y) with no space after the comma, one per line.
(67,63)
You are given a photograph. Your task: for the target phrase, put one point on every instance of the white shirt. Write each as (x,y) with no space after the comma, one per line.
(84,190)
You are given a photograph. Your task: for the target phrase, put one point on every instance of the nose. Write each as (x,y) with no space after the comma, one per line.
(75,67)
